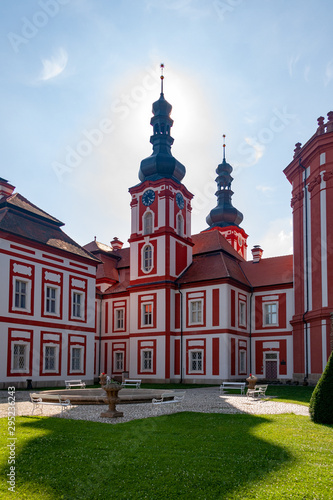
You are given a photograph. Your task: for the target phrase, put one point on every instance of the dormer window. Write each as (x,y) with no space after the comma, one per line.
(148,223)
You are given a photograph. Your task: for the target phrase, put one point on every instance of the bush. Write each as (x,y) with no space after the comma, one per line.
(321,402)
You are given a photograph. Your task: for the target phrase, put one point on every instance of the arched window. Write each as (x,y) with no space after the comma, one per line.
(148,223)
(147,258)
(180,225)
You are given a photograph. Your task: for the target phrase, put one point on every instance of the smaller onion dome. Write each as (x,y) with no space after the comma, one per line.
(224,214)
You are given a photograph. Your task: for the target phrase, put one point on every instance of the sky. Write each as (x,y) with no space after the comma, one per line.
(79,77)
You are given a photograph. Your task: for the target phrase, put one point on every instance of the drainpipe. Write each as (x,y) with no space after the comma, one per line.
(306,276)
(250,332)
(100,336)
(181,333)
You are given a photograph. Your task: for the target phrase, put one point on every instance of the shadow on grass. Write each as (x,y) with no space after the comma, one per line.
(188,455)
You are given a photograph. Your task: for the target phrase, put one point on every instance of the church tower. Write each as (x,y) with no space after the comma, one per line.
(160,249)
(160,241)
(225,217)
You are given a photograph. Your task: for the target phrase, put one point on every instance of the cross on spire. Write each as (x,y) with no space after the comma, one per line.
(162,77)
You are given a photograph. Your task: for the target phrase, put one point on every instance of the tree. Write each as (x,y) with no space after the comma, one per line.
(321,402)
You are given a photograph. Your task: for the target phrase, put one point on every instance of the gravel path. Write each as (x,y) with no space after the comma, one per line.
(204,400)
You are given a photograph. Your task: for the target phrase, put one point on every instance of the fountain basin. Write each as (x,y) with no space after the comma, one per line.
(97,396)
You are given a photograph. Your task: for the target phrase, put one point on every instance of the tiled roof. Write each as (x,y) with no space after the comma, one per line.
(211,241)
(212,266)
(112,261)
(269,272)
(18,201)
(20,217)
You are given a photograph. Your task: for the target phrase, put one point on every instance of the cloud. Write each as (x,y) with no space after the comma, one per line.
(54,66)
(264,189)
(291,64)
(278,239)
(328,72)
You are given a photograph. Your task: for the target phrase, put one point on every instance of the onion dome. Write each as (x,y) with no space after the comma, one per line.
(161,163)
(224,214)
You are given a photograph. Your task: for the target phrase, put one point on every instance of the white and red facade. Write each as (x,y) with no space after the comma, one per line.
(172,306)
(47,299)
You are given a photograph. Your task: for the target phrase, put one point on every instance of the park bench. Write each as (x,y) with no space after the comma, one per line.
(37,402)
(168,398)
(259,391)
(74,383)
(131,383)
(232,385)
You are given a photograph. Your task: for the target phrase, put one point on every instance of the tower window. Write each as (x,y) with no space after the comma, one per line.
(147,257)
(148,223)
(180,225)
(156,129)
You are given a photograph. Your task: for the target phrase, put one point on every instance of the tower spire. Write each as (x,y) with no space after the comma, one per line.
(161,164)
(224,214)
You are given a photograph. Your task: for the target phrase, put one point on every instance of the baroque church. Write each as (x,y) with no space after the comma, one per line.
(172,306)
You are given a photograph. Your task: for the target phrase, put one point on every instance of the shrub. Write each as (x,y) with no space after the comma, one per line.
(321,402)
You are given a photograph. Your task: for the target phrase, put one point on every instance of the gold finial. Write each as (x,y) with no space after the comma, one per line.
(162,77)
(223,146)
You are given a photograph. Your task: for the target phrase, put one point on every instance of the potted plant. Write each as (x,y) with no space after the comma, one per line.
(252,380)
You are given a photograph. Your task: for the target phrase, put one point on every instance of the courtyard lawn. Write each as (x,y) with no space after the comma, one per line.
(185,455)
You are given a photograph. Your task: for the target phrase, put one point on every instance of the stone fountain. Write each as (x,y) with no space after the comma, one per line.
(111,388)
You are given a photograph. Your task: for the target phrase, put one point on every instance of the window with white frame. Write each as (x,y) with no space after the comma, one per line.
(196,361)
(270,313)
(20,357)
(147,258)
(50,358)
(51,296)
(195,312)
(77,305)
(21,294)
(242,361)
(147,314)
(119,319)
(76,359)
(180,225)
(242,313)
(118,361)
(146,360)
(148,223)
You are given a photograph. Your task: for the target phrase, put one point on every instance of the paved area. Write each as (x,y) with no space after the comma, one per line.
(204,400)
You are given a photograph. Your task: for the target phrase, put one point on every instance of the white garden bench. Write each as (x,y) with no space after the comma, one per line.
(168,398)
(37,402)
(131,383)
(259,391)
(232,385)
(74,383)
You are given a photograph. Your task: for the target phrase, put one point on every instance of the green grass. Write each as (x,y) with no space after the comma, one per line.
(185,455)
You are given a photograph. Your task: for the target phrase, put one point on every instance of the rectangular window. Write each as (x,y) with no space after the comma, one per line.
(146,361)
(242,361)
(147,314)
(196,361)
(270,313)
(77,305)
(242,314)
(50,358)
(119,319)
(20,294)
(196,311)
(19,357)
(119,361)
(51,300)
(76,361)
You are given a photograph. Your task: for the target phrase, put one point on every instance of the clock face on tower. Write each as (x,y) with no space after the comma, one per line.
(148,197)
(180,200)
